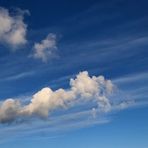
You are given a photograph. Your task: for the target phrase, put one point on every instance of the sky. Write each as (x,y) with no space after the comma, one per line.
(73,74)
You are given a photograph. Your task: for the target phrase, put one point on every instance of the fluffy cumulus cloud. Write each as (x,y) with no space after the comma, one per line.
(46,48)
(12,27)
(44,102)
(9,110)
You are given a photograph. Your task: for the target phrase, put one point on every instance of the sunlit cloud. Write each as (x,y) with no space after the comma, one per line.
(45,50)
(13,29)
(82,89)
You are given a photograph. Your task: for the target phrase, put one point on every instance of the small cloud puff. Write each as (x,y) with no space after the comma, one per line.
(45,50)
(12,28)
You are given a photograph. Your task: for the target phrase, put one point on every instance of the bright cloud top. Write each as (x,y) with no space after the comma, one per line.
(12,28)
(46,48)
(82,88)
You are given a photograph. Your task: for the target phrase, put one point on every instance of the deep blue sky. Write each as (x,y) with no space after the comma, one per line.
(107,38)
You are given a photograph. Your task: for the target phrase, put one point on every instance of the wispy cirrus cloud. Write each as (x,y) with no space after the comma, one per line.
(132,78)
(17,76)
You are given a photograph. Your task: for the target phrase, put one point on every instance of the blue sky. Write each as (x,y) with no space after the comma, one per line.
(73,74)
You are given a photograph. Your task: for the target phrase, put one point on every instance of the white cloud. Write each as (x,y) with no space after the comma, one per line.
(12,28)
(82,88)
(46,48)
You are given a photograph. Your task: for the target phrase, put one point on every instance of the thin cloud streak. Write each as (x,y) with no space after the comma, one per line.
(18,76)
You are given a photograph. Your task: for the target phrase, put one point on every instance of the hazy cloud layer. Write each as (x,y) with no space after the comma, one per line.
(82,88)
(12,27)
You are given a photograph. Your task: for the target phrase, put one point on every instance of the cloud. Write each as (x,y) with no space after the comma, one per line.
(94,112)
(17,76)
(132,78)
(46,48)
(82,89)
(12,27)
(9,110)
